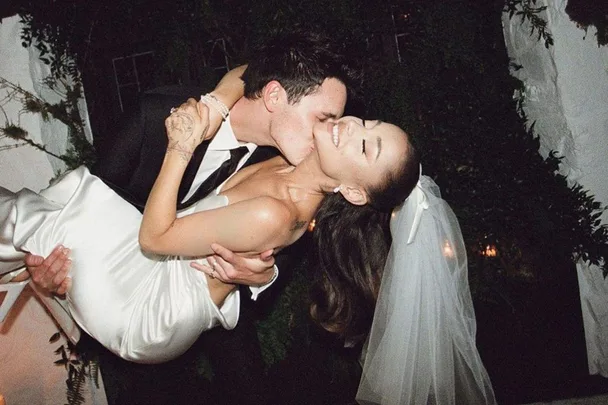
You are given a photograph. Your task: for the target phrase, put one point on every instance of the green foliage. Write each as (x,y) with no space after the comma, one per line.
(53,38)
(289,311)
(14,132)
(79,367)
(244,24)
(588,13)
(80,151)
(527,11)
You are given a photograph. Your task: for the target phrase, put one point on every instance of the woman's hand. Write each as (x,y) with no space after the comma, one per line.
(187,127)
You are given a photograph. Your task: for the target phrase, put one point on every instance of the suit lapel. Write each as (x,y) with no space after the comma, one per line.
(261,154)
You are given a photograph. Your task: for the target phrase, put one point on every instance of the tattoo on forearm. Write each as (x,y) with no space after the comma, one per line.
(181,129)
(298,225)
(182,152)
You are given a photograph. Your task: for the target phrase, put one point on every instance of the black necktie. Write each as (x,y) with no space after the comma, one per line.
(217,177)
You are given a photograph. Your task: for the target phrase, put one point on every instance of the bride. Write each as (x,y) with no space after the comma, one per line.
(134,290)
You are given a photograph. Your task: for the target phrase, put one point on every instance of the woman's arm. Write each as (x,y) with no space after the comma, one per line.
(229,90)
(249,226)
(186,129)
(231,87)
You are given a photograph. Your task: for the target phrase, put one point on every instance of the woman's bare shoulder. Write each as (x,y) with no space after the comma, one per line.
(270,210)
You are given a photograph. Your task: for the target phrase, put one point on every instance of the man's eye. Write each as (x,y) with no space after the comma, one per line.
(363,146)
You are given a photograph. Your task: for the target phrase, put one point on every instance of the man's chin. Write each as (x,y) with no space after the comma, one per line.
(293,160)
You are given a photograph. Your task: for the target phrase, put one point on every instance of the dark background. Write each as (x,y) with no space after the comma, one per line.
(441,71)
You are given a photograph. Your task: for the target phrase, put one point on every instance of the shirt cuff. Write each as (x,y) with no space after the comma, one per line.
(257,290)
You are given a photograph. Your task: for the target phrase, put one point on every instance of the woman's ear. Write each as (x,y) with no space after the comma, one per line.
(274,94)
(354,195)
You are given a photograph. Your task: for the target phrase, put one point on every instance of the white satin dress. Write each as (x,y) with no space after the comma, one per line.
(144,308)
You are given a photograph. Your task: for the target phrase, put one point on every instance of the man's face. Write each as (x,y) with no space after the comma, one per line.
(291,128)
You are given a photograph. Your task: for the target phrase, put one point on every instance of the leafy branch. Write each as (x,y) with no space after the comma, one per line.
(78,366)
(527,11)
(66,111)
(53,44)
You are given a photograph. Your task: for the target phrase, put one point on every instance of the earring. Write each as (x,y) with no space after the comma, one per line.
(337,189)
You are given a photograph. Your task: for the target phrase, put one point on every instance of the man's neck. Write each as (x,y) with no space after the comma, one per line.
(250,122)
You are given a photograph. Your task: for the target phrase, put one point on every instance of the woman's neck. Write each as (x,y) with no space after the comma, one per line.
(308,181)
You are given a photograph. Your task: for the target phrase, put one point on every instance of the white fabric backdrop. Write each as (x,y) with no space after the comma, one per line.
(567,95)
(27,372)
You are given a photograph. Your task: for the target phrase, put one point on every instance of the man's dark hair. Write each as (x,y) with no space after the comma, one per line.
(300,61)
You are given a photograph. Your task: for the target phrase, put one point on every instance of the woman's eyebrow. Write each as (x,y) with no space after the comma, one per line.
(379,148)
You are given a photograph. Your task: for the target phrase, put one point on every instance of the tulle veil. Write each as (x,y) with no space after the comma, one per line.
(421,348)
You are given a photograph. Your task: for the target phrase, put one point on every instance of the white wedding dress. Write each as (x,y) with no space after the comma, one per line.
(144,308)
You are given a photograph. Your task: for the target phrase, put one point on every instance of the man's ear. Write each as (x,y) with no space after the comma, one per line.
(354,195)
(274,95)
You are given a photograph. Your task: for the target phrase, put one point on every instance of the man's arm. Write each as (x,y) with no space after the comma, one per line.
(230,267)
(50,273)
(117,153)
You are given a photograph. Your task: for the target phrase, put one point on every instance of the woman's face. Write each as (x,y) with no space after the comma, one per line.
(359,153)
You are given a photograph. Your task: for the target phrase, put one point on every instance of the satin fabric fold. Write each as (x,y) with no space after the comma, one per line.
(145,308)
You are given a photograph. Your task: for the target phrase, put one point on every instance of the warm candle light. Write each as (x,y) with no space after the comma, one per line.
(490,251)
(447,249)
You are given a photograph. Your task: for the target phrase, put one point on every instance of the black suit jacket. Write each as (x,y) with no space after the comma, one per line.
(130,158)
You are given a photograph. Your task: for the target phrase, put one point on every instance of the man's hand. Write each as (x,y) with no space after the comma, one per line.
(50,274)
(231,268)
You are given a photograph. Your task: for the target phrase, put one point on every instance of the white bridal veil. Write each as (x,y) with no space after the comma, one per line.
(421,348)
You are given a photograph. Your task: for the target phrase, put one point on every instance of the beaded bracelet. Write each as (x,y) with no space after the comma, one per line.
(214,102)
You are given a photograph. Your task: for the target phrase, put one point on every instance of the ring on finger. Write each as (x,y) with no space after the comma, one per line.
(212,275)
(173,109)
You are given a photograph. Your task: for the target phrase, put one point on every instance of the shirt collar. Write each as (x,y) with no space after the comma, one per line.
(225,138)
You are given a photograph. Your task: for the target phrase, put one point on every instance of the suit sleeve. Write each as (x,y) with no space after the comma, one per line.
(130,157)
(118,152)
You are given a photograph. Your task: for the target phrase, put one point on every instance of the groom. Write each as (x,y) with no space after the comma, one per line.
(293,82)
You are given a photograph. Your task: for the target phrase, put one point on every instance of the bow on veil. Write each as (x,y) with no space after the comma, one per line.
(421,349)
